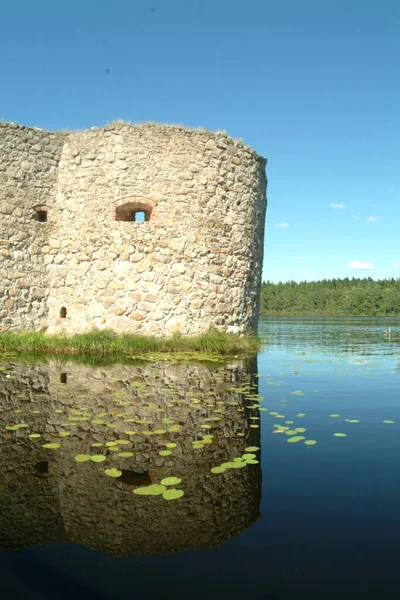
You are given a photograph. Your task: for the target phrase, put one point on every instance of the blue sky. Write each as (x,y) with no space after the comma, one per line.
(313,85)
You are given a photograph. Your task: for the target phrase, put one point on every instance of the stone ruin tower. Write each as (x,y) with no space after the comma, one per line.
(136,228)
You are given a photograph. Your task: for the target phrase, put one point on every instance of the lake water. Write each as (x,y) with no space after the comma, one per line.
(293,521)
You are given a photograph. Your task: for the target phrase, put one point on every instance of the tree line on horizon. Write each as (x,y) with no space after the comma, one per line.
(332,297)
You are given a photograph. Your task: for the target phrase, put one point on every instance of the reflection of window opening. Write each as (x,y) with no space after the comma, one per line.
(42,468)
(63,378)
(133,211)
(63,312)
(41,216)
(136,478)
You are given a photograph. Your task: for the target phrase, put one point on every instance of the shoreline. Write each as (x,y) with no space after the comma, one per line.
(110,345)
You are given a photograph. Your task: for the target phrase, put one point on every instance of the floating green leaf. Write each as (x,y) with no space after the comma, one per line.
(387,421)
(171,481)
(173,494)
(252,448)
(253,462)
(248,456)
(150,490)
(165,452)
(334,416)
(354,421)
(113,472)
(310,442)
(300,429)
(340,434)
(82,458)
(218,470)
(97,458)
(301,415)
(125,454)
(97,445)
(291,432)
(34,436)
(296,438)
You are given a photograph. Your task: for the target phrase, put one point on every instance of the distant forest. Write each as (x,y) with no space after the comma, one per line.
(329,297)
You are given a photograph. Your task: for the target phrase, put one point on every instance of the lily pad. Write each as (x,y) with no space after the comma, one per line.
(34,436)
(252,448)
(248,456)
(300,429)
(125,454)
(354,421)
(150,490)
(165,452)
(173,494)
(171,481)
(98,458)
(340,434)
(253,462)
(82,458)
(334,416)
(97,445)
(218,470)
(113,472)
(387,421)
(295,439)
(51,446)
(310,442)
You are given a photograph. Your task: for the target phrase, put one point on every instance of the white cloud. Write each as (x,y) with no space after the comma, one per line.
(355,217)
(373,219)
(281,225)
(397,265)
(337,205)
(362,266)
(301,257)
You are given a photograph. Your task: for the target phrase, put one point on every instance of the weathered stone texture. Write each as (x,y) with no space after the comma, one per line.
(196,263)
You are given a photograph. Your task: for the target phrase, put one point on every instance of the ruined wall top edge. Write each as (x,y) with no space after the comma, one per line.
(148,127)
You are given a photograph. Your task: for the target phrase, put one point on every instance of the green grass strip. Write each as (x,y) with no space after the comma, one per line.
(107,343)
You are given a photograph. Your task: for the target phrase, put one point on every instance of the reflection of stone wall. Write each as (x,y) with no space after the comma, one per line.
(77,502)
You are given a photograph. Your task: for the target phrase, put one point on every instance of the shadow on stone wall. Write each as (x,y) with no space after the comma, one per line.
(46,496)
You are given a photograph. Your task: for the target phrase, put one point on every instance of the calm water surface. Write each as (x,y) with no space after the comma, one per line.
(298,521)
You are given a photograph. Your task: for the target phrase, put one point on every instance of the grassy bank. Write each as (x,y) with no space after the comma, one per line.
(109,344)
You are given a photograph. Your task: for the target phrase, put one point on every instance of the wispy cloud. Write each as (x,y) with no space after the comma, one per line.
(373,219)
(281,225)
(337,205)
(301,257)
(355,217)
(397,265)
(362,266)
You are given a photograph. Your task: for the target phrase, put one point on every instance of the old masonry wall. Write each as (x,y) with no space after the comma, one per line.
(194,262)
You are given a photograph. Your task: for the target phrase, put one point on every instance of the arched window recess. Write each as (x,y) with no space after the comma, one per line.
(137,210)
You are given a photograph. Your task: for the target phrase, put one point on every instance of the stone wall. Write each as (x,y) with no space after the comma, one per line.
(195,263)
(78,503)
(28,174)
